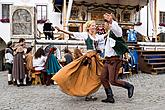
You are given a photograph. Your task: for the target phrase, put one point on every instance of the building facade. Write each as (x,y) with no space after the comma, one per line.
(141,17)
(45,10)
(79,13)
(148,23)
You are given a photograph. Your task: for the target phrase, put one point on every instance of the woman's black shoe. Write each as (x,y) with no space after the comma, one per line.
(10,82)
(109,100)
(18,85)
(14,83)
(91,98)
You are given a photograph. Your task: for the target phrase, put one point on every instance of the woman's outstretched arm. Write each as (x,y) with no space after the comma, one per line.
(63,31)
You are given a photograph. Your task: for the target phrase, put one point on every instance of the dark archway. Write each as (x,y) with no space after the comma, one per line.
(2,53)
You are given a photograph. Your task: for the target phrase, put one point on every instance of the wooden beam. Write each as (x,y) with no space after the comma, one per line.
(155,19)
(64,15)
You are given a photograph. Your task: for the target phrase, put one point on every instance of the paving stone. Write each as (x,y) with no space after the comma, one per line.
(149,95)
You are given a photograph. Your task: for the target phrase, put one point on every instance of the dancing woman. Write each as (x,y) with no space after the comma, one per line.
(81,76)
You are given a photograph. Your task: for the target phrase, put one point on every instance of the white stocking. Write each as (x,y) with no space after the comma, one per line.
(18,82)
(24,80)
(9,77)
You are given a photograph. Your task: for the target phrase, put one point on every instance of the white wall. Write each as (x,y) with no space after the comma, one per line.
(143,18)
(55,17)
(5,27)
(143,28)
(52,16)
(160,8)
(5,31)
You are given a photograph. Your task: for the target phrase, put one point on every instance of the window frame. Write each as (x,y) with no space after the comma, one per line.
(41,19)
(5,16)
(162,17)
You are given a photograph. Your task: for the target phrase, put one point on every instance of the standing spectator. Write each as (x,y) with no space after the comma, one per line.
(58,53)
(52,65)
(48,30)
(9,61)
(132,35)
(18,63)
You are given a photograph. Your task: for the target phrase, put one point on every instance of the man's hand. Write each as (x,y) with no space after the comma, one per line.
(108,17)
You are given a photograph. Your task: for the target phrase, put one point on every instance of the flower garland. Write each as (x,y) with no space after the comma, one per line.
(5,20)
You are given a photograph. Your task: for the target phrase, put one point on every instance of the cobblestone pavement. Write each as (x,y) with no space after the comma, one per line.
(149,95)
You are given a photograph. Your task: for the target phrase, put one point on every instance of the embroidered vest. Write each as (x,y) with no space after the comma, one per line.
(89,43)
(120,46)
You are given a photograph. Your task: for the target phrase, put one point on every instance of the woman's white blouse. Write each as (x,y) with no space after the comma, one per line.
(39,63)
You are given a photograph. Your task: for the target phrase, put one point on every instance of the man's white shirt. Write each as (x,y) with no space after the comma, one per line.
(110,42)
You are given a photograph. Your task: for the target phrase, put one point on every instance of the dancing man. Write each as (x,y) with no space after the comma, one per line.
(114,48)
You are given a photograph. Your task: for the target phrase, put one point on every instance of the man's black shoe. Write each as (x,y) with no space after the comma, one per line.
(109,100)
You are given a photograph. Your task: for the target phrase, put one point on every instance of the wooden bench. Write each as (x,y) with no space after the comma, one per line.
(36,78)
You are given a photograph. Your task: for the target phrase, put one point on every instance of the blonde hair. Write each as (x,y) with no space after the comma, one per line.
(88,24)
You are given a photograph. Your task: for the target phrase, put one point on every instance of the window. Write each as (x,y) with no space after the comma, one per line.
(162,17)
(73,28)
(126,15)
(137,17)
(42,13)
(5,12)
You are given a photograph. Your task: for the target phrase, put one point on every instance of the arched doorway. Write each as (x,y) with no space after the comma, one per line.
(2,53)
